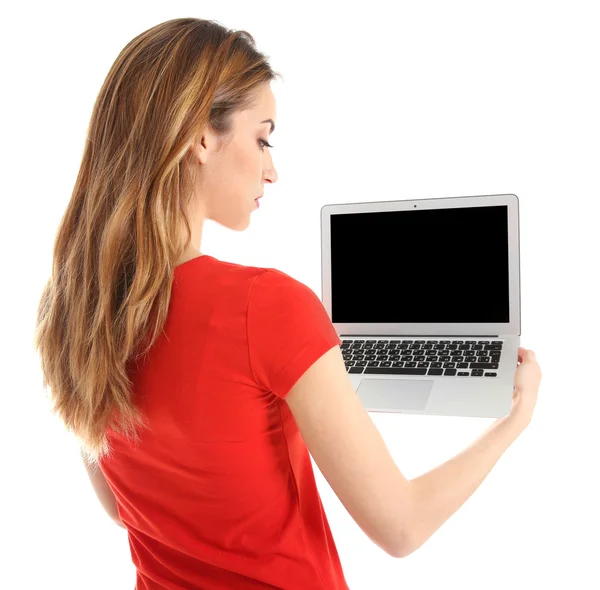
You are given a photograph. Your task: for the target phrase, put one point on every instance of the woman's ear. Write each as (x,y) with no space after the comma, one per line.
(199,149)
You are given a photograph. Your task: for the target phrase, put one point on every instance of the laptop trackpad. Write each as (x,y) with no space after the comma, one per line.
(396,393)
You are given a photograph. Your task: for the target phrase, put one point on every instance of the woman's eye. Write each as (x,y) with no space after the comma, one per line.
(264,143)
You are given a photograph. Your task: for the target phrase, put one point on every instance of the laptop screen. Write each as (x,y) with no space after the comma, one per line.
(420,266)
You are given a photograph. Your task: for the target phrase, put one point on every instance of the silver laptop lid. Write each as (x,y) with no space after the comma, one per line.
(426,267)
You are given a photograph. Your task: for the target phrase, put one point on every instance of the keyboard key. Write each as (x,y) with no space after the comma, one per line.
(483,365)
(395,371)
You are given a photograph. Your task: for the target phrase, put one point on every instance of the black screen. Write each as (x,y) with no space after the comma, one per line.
(420,266)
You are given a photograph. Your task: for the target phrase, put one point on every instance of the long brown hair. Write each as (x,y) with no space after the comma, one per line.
(120,237)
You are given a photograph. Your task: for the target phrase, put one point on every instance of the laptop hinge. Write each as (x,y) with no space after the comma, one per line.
(422,336)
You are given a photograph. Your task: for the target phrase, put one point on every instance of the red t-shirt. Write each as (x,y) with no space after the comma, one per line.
(220,493)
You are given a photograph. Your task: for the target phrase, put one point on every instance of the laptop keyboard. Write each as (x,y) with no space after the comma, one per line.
(459,358)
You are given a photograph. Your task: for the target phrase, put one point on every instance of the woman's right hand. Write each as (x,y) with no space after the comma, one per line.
(527,381)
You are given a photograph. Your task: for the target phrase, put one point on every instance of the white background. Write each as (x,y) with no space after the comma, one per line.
(379,101)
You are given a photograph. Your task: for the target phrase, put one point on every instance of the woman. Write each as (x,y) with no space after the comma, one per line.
(197,387)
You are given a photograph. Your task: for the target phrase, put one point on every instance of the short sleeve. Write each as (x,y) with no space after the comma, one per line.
(288,330)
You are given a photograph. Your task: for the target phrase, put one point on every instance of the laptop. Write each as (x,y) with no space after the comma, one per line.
(425,297)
